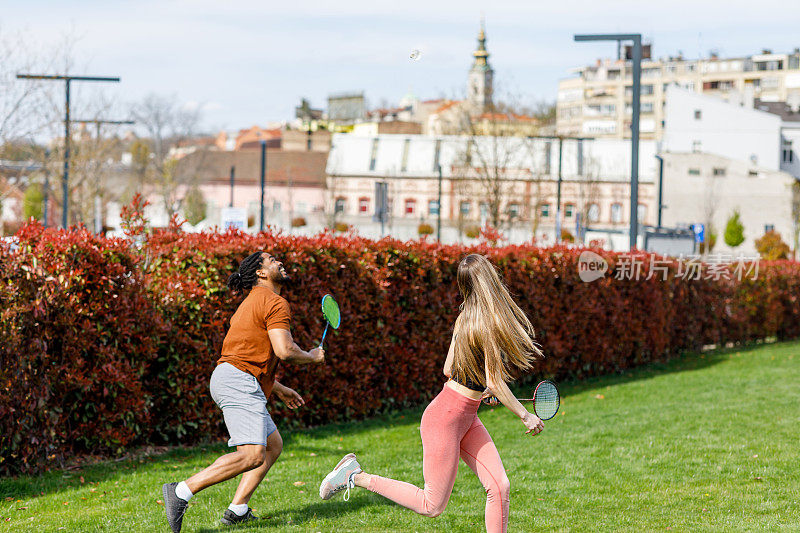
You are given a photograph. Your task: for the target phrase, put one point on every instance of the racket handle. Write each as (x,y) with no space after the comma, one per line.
(323,334)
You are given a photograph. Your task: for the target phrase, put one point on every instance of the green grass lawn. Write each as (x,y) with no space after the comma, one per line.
(707,443)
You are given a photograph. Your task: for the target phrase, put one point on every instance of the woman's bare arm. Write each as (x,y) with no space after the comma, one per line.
(500,389)
(448,363)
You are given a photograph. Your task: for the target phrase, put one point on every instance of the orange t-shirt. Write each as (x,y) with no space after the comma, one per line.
(247,345)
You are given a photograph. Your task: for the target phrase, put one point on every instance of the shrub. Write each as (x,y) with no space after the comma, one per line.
(341,227)
(298,222)
(566,236)
(425,229)
(770,246)
(472,231)
(194,206)
(33,202)
(96,337)
(734,231)
(491,235)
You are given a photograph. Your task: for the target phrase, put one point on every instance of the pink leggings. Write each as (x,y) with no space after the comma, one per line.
(451,429)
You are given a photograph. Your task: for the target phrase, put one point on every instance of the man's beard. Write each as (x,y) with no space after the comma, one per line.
(283,277)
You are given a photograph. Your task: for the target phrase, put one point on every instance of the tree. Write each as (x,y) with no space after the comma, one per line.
(194,206)
(166,123)
(710,240)
(32,202)
(734,230)
(490,165)
(140,162)
(770,246)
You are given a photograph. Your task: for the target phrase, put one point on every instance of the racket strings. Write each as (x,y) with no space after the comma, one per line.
(546,401)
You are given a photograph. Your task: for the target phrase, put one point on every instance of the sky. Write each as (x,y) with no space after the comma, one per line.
(250,62)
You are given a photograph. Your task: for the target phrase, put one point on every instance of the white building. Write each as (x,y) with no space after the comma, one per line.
(595,184)
(724,156)
(707,124)
(706,189)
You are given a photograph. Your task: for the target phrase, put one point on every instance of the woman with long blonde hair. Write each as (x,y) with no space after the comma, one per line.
(492,344)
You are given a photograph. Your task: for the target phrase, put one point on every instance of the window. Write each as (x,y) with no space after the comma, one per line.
(464,208)
(770,83)
(694,171)
(484,209)
(513,210)
(363,204)
(698,114)
(544,210)
(594,213)
(794,62)
(436,153)
(569,210)
(409,206)
(644,90)
(690,67)
(276,206)
(547,149)
(769,227)
(719,171)
(696,146)
(373,154)
(616,212)
(339,205)
(404,160)
(433,207)
(647,107)
(641,212)
(788,153)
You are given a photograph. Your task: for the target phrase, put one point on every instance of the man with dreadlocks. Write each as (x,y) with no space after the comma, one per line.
(240,385)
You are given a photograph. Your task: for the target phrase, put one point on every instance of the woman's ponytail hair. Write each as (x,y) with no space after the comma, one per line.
(245,278)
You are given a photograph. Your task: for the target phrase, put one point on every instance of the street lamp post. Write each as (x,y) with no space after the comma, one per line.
(68,80)
(439,206)
(636,38)
(263,184)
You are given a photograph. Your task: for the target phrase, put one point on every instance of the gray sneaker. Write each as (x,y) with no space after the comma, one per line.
(175,507)
(340,478)
(229,517)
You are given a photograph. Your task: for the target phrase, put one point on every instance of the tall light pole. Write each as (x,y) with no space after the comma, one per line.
(68,79)
(439,206)
(262,215)
(98,216)
(636,38)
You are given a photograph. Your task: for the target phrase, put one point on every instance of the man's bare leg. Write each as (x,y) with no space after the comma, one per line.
(245,458)
(251,479)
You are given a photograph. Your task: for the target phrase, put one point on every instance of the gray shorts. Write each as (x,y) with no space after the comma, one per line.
(243,405)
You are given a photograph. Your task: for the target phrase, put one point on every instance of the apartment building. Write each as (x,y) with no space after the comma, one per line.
(596,101)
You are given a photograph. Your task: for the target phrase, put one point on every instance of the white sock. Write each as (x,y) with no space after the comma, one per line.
(182,491)
(240,509)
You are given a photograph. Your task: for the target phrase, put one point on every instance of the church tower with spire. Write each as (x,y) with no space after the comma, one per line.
(479,81)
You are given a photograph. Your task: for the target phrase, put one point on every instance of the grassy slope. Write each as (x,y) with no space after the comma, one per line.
(709,442)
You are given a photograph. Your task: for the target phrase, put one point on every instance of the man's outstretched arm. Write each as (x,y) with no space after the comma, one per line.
(287,350)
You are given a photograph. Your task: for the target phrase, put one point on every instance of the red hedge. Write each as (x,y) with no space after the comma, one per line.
(104,346)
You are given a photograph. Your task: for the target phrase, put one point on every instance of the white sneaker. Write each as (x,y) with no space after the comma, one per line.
(340,478)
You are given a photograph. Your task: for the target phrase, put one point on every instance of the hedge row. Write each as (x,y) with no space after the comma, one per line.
(104,346)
